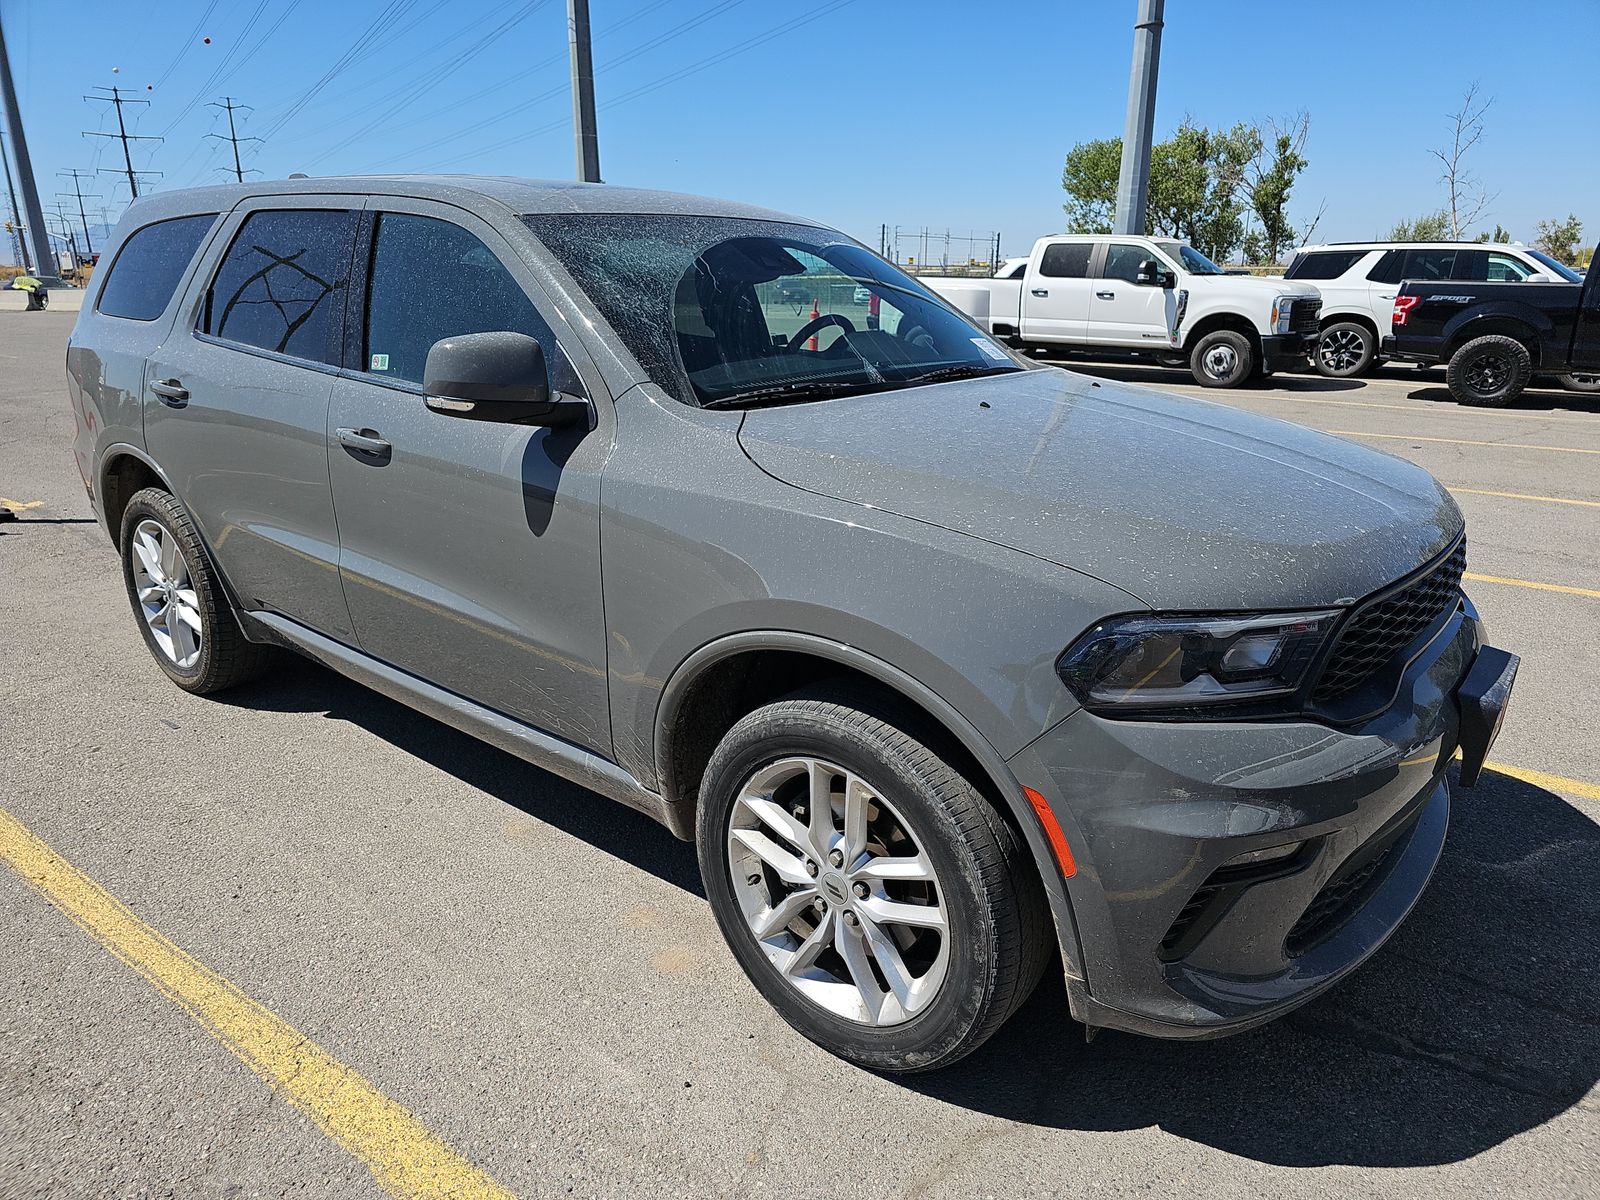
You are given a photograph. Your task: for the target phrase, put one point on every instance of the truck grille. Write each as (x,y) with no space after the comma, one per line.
(1304,314)
(1375,633)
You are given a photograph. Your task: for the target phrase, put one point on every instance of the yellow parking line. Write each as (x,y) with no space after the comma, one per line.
(1551,783)
(402,1155)
(1528,583)
(1524,496)
(19,505)
(1406,437)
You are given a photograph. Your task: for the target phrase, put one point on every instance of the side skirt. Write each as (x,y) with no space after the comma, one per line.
(553,754)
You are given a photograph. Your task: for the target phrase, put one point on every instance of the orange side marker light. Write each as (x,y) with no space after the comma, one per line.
(1052,831)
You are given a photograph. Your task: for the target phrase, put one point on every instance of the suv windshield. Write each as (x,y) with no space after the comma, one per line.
(1193,261)
(724,310)
(1559,269)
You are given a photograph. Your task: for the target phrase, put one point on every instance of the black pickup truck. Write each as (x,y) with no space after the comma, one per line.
(1495,336)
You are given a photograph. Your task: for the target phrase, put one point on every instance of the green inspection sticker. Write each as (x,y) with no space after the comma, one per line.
(380,362)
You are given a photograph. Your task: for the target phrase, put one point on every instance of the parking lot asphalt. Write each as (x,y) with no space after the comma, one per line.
(531,974)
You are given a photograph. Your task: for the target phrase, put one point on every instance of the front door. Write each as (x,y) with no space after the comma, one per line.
(236,404)
(1126,312)
(470,550)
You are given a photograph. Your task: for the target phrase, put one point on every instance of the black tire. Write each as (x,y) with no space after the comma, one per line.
(1580,381)
(1346,349)
(1489,372)
(1221,359)
(998,918)
(225,657)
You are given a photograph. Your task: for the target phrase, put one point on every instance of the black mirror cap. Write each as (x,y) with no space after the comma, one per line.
(497,376)
(1153,274)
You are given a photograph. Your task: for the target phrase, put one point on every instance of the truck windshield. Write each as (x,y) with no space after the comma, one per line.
(1559,269)
(724,310)
(1193,261)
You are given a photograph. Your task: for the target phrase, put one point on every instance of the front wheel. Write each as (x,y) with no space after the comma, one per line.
(868,890)
(1222,359)
(1346,349)
(1489,372)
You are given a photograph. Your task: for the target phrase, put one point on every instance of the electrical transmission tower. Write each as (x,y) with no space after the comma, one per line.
(118,99)
(232,135)
(14,221)
(77,189)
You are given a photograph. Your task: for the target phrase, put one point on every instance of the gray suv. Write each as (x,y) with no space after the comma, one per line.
(955,667)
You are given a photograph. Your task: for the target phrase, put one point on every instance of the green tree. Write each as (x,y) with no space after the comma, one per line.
(1270,179)
(1559,239)
(1430,227)
(1090,178)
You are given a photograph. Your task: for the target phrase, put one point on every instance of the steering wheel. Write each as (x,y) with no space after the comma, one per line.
(817,325)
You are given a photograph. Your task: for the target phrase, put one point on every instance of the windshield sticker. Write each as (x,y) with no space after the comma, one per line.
(990,349)
(380,362)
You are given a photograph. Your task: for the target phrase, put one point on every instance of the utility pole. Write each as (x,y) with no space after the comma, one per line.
(14,222)
(118,99)
(584,135)
(37,236)
(1133,181)
(233,137)
(75,175)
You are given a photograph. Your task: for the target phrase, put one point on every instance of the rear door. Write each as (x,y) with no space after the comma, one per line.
(1125,312)
(236,406)
(470,550)
(1055,293)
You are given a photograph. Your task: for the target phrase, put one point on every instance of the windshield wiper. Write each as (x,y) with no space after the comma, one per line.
(800,390)
(965,371)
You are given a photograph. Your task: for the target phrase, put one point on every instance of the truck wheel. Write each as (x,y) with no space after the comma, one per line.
(1579,382)
(1489,372)
(1222,359)
(870,892)
(1346,349)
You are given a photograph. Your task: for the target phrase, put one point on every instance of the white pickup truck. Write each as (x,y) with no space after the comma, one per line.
(1112,295)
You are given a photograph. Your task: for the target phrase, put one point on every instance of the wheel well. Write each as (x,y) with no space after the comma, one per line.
(1504,327)
(732,687)
(124,476)
(1366,322)
(1224,320)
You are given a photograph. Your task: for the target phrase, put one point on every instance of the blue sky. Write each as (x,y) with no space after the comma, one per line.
(854,112)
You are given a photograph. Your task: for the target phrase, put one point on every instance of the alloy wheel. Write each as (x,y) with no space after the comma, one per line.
(1488,374)
(837,892)
(166,593)
(1341,349)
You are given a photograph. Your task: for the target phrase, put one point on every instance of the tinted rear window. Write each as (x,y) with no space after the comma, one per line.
(281,286)
(1324,264)
(149,266)
(1066,260)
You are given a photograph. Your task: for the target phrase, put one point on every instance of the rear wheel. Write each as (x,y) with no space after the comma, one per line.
(1579,381)
(178,600)
(1346,349)
(1489,372)
(1222,359)
(868,890)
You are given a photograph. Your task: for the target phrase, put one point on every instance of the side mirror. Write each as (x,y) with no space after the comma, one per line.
(1538,277)
(1152,274)
(496,377)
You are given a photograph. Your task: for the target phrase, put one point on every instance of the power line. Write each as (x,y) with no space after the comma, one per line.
(206,88)
(118,100)
(187,43)
(77,188)
(233,137)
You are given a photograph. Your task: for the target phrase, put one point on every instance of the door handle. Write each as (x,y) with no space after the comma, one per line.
(1041,291)
(171,392)
(364,441)
(1106,295)
(1390,296)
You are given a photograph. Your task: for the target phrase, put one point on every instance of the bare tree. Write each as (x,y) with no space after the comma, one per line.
(1468,200)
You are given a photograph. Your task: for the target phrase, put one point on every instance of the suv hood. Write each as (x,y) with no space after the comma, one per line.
(1184,503)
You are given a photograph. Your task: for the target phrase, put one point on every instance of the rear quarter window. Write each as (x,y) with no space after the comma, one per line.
(1066,260)
(1324,264)
(150,265)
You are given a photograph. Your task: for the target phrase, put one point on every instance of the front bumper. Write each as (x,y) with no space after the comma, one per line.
(1287,351)
(1176,939)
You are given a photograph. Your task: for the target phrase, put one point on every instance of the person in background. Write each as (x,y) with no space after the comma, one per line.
(38,294)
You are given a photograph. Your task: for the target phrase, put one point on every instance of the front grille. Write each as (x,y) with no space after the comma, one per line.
(1304,314)
(1370,639)
(1334,905)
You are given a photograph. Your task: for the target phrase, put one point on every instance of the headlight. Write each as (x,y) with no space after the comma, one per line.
(1166,662)
(1283,312)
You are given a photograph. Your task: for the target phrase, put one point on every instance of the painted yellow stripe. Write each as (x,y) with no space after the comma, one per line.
(1407,437)
(1551,783)
(1524,496)
(19,505)
(402,1155)
(1528,583)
